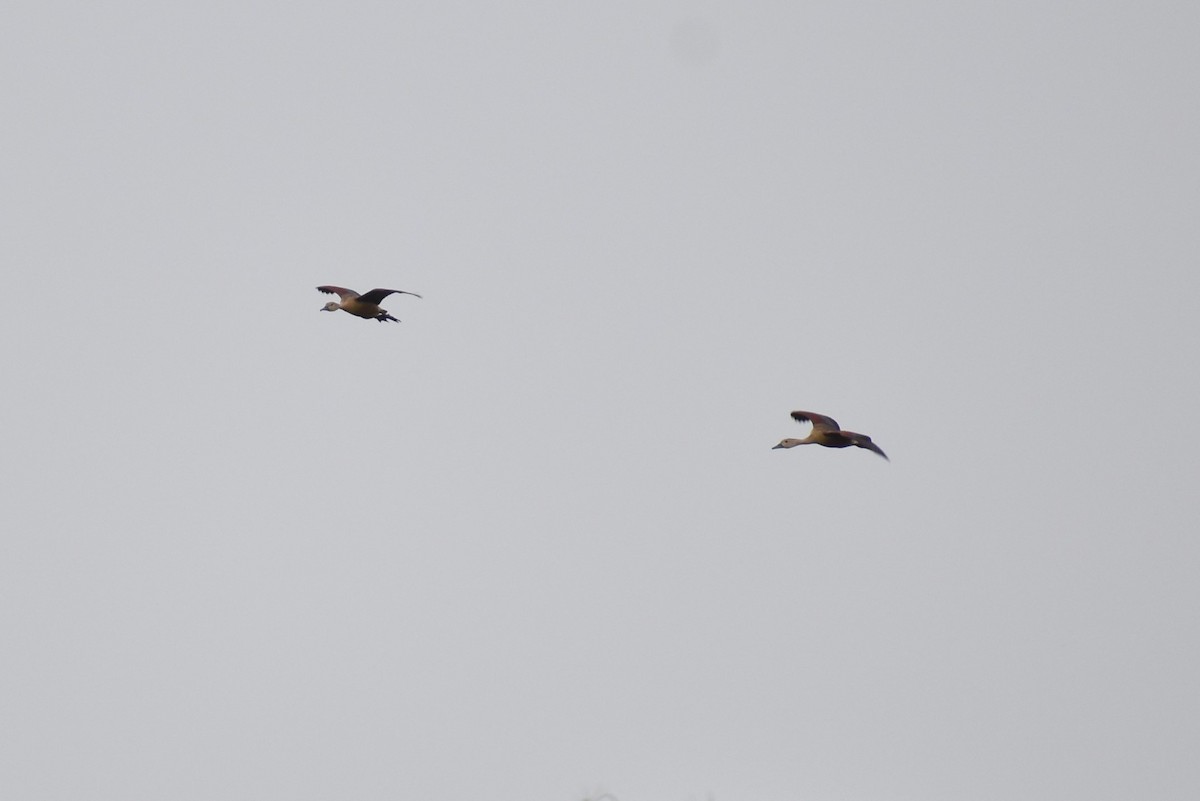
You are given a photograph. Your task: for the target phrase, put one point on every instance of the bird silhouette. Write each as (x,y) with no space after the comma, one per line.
(827,432)
(365,306)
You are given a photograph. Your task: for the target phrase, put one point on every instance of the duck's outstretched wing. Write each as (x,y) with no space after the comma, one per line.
(376,295)
(863,441)
(340,291)
(819,421)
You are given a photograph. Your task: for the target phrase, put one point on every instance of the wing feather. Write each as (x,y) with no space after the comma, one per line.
(376,295)
(863,441)
(819,421)
(341,291)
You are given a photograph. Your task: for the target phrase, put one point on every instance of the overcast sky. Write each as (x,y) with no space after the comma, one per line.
(532,542)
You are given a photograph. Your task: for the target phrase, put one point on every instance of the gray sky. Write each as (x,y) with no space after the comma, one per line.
(532,543)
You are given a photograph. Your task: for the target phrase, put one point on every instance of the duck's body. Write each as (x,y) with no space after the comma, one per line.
(365,306)
(826,432)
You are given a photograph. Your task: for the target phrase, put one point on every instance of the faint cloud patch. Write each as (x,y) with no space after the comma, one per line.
(694,40)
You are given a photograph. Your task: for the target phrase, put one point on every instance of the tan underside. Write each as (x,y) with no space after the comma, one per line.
(360,309)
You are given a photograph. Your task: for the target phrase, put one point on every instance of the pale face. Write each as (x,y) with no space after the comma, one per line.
(331,306)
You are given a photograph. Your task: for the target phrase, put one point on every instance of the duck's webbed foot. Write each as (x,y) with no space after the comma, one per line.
(384,317)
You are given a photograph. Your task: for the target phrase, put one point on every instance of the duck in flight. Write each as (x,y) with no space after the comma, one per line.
(365,306)
(827,432)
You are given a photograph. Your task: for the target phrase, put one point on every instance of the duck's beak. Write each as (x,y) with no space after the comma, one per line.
(777,447)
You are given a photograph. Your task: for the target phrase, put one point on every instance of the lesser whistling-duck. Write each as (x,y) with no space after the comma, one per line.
(365,306)
(827,432)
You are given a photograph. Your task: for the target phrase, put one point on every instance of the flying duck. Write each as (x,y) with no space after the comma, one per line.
(827,432)
(365,306)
